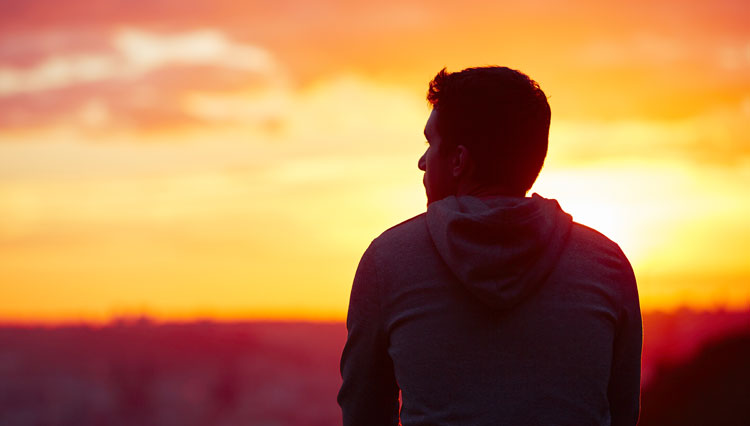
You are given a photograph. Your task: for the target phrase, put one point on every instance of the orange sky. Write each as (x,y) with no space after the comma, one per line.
(228,161)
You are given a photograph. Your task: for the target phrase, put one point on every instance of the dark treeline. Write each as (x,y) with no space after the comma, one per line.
(260,373)
(712,388)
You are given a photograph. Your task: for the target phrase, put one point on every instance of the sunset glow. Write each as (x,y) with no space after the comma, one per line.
(224,161)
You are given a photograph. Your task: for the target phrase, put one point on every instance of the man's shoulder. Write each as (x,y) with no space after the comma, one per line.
(407,230)
(594,252)
(589,238)
(402,238)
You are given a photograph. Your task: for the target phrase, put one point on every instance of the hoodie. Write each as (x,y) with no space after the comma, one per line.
(492,311)
(500,248)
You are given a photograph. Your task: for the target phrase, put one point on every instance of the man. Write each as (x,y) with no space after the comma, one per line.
(491,308)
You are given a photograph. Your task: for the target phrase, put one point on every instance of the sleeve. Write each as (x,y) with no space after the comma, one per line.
(369,393)
(625,378)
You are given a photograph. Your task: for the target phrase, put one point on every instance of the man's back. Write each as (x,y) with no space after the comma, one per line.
(499,311)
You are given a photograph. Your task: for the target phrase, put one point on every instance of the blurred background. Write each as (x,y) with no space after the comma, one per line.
(186,188)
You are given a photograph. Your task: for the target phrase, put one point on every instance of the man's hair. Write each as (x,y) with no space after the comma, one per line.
(500,115)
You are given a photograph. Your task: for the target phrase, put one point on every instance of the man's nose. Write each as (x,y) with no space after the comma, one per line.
(422,163)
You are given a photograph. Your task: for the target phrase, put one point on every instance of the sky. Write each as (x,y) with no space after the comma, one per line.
(217,159)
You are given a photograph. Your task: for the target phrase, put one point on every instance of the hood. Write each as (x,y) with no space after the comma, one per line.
(500,248)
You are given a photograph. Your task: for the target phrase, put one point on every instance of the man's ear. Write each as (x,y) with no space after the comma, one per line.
(462,161)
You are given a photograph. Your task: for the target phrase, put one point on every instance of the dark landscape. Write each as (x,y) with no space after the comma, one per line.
(139,372)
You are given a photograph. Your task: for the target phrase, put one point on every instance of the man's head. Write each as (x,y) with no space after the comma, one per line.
(487,132)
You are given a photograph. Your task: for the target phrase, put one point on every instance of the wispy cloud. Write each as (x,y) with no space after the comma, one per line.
(138,80)
(134,54)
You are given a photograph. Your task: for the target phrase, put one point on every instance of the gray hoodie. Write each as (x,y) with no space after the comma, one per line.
(493,311)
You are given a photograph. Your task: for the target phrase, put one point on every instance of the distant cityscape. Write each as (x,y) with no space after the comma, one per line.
(140,372)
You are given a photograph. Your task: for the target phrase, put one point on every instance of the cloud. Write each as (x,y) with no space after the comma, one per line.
(134,54)
(715,137)
(57,72)
(138,79)
(265,105)
(734,57)
(145,51)
(345,117)
(640,49)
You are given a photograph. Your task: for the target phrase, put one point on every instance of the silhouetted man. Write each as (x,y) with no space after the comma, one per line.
(491,308)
